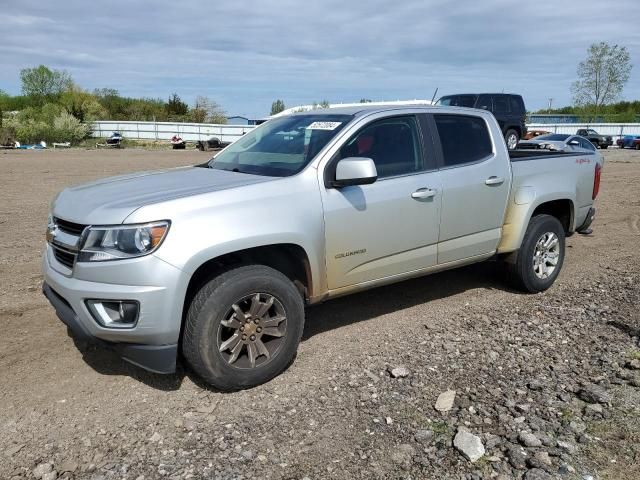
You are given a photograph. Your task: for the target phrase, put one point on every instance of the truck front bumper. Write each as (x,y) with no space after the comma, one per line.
(152,343)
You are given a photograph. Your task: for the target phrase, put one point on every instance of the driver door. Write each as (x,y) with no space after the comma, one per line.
(391,226)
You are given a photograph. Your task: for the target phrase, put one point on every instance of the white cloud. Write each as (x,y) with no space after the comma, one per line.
(245,54)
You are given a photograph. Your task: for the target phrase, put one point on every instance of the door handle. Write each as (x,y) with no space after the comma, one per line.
(494,180)
(424,193)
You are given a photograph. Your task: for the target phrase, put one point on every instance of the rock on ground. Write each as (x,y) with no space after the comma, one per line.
(469,445)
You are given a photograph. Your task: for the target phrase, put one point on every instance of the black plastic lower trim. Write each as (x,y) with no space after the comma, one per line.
(587,221)
(155,358)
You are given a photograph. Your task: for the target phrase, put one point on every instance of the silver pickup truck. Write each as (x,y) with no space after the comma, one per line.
(217,262)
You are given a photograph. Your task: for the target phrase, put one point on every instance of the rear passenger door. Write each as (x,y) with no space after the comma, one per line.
(475,186)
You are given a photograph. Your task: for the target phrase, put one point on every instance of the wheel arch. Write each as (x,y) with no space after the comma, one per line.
(288,258)
(519,216)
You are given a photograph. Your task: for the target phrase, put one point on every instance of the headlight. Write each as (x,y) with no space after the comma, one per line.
(121,241)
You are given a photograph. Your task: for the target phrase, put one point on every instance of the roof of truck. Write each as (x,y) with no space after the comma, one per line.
(364,108)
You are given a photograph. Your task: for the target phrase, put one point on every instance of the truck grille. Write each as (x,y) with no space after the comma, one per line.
(69,227)
(64,251)
(64,257)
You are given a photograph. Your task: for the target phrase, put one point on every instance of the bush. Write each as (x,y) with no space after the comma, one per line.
(34,128)
(7,135)
(68,128)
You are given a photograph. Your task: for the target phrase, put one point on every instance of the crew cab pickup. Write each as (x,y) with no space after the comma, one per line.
(215,263)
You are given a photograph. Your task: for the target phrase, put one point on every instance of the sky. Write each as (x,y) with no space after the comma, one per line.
(246,53)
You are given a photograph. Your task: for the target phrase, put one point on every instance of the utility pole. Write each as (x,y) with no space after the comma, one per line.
(550,103)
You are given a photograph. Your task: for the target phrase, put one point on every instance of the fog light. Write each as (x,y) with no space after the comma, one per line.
(114,313)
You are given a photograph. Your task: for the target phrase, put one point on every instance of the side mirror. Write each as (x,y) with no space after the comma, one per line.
(355,171)
(574,143)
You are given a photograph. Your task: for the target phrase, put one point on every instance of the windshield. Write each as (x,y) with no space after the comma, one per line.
(458,101)
(282,146)
(592,132)
(554,137)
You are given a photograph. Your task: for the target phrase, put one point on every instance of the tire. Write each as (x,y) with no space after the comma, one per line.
(604,147)
(511,138)
(523,273)
(212,321)
(637,146)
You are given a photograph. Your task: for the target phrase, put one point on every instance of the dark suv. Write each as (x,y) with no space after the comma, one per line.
(508,109)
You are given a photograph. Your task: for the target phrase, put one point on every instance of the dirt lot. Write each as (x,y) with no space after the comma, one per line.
(549,383)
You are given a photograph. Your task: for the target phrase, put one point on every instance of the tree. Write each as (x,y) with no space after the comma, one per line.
(42,83)
(324,104)
(365,100)
(277,107)
(602,76)
(175,106)
(207,110)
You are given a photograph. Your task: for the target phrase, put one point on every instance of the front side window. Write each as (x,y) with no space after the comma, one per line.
(393,144)
(464,139)
(282,146)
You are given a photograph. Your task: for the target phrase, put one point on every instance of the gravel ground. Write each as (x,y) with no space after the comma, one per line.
(449,376)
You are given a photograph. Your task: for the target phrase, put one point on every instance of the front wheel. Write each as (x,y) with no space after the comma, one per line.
(541,255)
(243,327)
(512,138)
(604,147)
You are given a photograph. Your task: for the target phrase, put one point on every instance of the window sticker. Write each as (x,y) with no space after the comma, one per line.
(324,125)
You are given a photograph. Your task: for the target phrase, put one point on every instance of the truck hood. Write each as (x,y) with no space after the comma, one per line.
(111,200)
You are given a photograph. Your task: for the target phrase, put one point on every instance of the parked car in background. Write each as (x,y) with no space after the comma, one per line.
(558,142)
(629,141)
(600,141)
(534,133)
(210,144)
(508,109)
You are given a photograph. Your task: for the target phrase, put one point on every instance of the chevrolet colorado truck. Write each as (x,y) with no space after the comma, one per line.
(215,263)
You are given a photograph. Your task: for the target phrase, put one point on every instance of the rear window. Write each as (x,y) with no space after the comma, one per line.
(464,139)
(554,137)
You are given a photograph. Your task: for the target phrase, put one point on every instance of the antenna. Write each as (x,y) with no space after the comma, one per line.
(434,95)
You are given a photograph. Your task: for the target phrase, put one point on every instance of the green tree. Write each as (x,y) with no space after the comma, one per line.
(324,104)
(176,107)
(42,83)
(365,100)
(207,110)
(277,107)
(601,76)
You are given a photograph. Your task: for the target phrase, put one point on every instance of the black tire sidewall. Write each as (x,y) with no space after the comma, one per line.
(508,134)
(213,302)
(538,226)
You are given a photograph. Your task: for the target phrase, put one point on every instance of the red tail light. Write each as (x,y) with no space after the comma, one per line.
(596,181)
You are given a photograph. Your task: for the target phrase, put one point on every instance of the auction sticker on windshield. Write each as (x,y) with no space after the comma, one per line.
(324,125)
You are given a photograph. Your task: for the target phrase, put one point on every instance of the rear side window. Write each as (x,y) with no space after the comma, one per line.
(501,104)
(484,102)
(517,105)
(464,139)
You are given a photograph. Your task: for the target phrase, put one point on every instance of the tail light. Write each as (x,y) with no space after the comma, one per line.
(596,181)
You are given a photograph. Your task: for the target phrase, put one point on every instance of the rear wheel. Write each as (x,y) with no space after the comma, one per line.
(511,138)
(541,255)
(243,327)
(604,147)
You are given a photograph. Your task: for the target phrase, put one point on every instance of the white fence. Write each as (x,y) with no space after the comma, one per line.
(230,133)
(166,130)
(616,130)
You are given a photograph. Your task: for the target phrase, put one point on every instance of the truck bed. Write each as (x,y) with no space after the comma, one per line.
(524,155)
